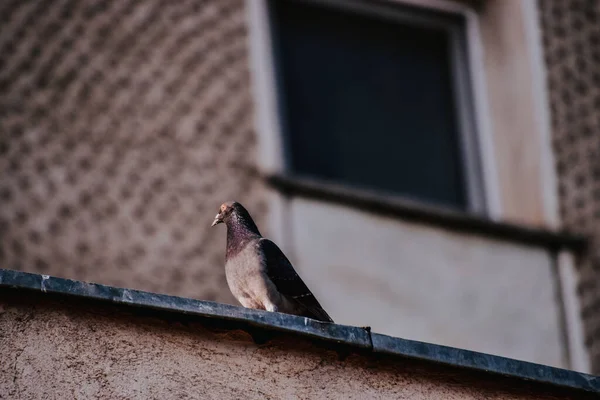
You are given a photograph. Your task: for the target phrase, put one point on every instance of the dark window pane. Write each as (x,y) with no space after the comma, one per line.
(368,101)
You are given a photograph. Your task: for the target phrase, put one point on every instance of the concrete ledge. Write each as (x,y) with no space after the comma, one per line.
(359,340)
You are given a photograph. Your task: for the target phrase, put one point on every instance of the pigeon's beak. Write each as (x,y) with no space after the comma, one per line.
(218,220)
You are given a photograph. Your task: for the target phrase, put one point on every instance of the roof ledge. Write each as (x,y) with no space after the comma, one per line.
(359,339)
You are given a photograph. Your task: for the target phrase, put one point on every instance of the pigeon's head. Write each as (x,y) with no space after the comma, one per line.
(237,219)
(227,211)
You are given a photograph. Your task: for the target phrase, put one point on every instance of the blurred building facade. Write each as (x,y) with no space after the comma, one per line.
(418,160)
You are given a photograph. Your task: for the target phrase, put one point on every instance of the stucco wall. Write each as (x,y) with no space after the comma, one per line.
(59,350)
(124,126)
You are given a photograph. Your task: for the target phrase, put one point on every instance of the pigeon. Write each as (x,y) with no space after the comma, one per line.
(259,275)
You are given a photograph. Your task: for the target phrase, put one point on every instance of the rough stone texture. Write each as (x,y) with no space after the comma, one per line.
(61,350)
(123,126)
(571,34)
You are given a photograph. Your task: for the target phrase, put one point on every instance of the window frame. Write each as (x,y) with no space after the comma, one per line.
(472,114)
(271,116)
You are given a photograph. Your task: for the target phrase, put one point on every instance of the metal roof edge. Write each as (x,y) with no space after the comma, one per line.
(356,337)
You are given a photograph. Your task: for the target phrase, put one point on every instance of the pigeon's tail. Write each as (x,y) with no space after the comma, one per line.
(315,313)
(322,316)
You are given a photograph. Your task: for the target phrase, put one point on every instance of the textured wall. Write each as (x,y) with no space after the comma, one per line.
(571,33)
(62,351)
(123,126)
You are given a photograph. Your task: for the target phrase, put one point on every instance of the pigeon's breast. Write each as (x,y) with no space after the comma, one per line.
(246,278)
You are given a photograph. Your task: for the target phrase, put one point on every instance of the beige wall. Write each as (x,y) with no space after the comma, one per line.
(518,111)
(425,283)
(60,350)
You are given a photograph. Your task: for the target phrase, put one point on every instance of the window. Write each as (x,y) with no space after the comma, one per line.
(374,96)
(379,94)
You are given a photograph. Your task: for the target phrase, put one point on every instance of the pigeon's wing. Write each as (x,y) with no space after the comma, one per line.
(286,280)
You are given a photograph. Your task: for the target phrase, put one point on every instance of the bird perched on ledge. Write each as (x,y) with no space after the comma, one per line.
(258,273)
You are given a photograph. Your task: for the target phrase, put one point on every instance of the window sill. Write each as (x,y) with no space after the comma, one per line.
(409,210)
